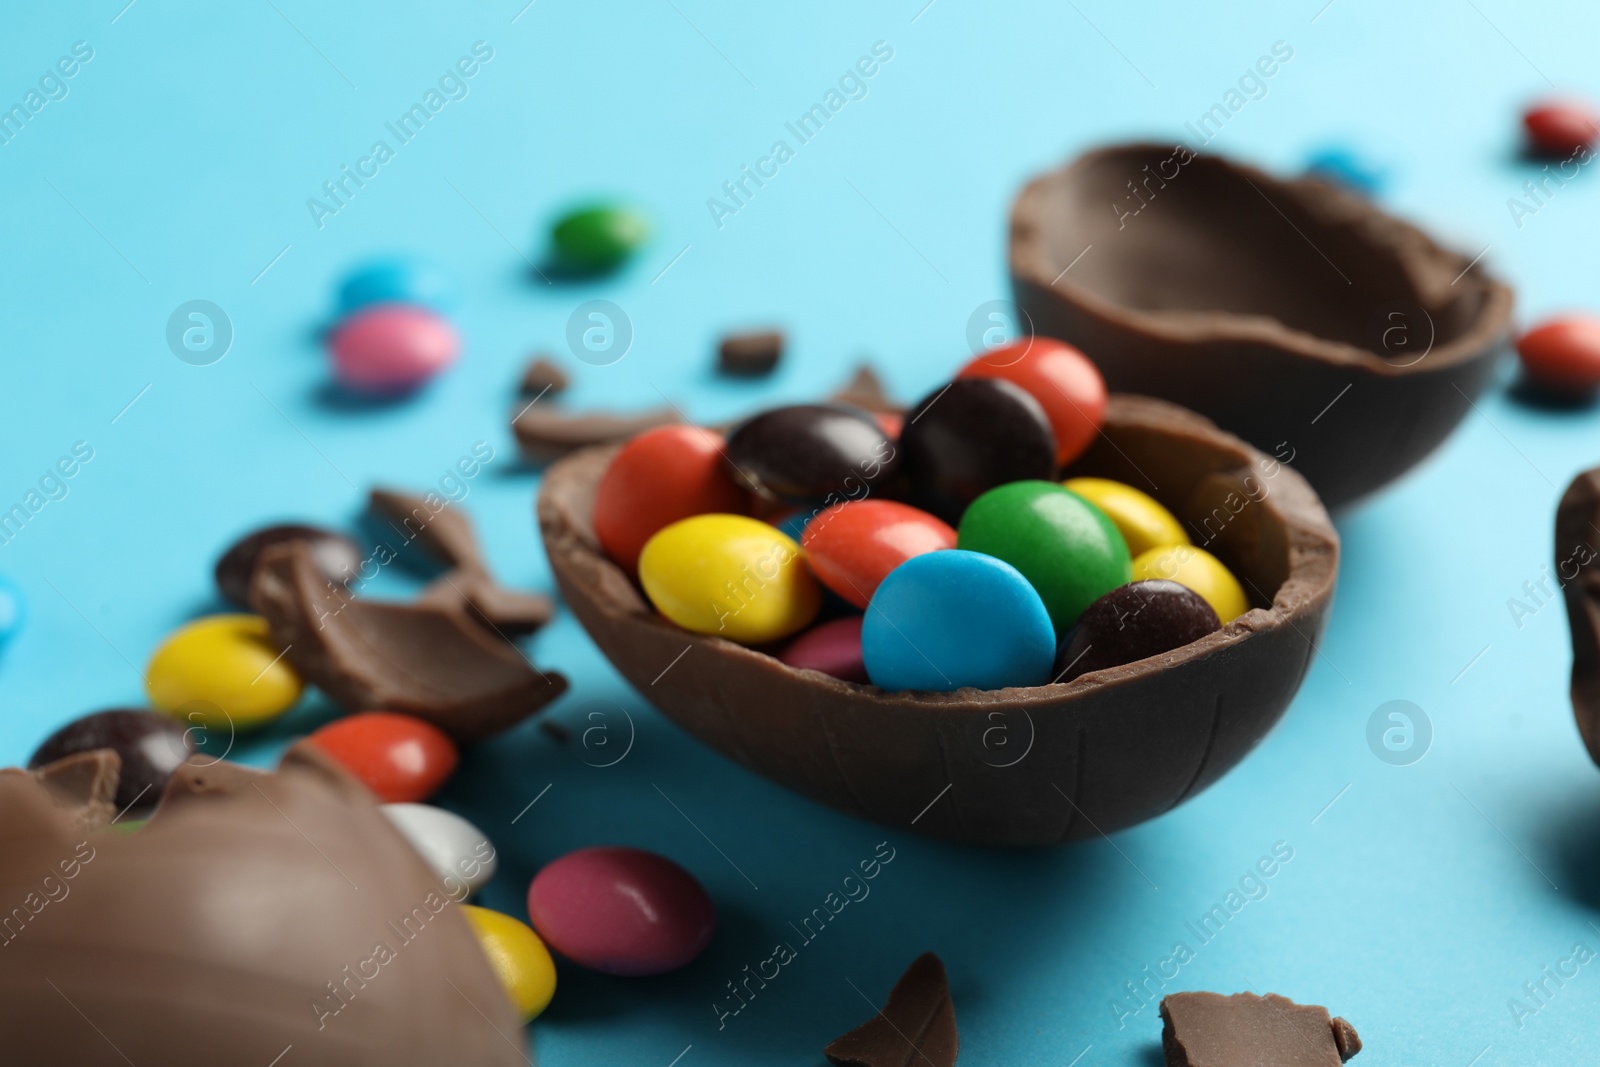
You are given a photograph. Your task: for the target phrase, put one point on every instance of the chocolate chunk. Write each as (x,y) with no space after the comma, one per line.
(865,390)
(558,733)
(545,434)
(504,611)
(916,1026)
(543,377)
(150,748)
(336,556)
(1577,564)
(428,661)
(443,533)
(1212,1030)
(750,355)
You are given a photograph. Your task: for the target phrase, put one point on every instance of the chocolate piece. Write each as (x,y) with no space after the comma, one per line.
(750,355)
(336,556)
(543,377)
(814,454)
(504,611)
(916,1026)
(545,434)
(431,662)
(150,747)
(246,916)
(1133,622)
(558,733)
(970,435)
(1577,565)
(1295,314)
(865,390)
(1212,1030)
(443,533)
(1089,761)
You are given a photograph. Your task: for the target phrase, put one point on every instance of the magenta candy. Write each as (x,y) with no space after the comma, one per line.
(832,648)
(392,348)
(621,911)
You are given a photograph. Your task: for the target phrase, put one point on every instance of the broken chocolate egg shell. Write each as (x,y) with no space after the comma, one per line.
(1027,766)
(1292,313)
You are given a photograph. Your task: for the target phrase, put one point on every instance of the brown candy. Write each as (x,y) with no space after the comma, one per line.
(1212,1030)
(916,1026)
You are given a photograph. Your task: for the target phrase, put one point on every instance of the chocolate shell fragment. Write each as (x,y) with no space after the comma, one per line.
(443,533)
(545,434)
(503,611)
(1577,569)
(916,1026)
(253,912)
(1244,1030)
(750,355)
(542,377)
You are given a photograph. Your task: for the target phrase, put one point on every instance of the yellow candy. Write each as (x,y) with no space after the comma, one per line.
(222,672)
(1200,571)
(729,575)
(518,957)
(1143,523)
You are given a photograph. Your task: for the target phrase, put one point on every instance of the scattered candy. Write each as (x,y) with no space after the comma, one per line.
(518,957)
(812,453)
(659,477)
(1064,546)
(833,647)
(599,238)
(458,851)
(13,610)
(945,620)
(392,348)
(1200,571)
(398,757)
(1067,386)
(222,672)
(853,546)
(750,355)
(336,556)
(1133,622)
(621,911)
(543,377)
(398,279)
(1560,128)
(1563,354)
(969,436)
(1143,523)
(150,746)
(729,575)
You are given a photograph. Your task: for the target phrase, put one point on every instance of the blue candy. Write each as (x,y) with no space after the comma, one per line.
(948,619)
(1349,168)
(795,525)
(398,279)
(13,610)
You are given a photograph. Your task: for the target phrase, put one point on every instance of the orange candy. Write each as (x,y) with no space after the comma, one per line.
(853,546)
(1062,379)
(399,758)
(659,477)
(1563,354)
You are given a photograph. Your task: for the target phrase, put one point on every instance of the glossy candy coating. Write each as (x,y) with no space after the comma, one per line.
(598,238)
(1133,622)
(459,853)
(13,610)
(729,575)
(659,477)
(833,647)
(814,454)
(398,279)
(853,546)
(400,758)
(338,557)
(1560,128)
(1563,354)
(966,438)
(222,672)
(1062,379)
(518,957)
(151,747)
(1140,519)
(621,911)
(1065,546)
(1198,570)
(945,620)
(392,348)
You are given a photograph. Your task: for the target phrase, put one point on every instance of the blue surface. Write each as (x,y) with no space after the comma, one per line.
(1419,898)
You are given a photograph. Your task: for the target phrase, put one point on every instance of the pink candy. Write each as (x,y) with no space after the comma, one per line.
(392,348)
(832,648)
(621,911)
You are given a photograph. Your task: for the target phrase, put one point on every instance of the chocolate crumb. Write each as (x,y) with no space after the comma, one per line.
(865,390)
(542,377)
(1345,1039)
(916,1026)
(443,533)
(558,732)
(546,434)
(750,355)
(1213,1030)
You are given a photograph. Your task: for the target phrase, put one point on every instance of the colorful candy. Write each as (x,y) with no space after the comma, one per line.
(392,348)
(222,672)
(1133,622)
(598,238)
(398,279)
(621,911)
(942,621)
(518,958)
(1060,378)
(729,575)
(150,746)
(1560,128)
(1143,523)
(853,546)
(1200,571)
(1563,354)
(337,557)
(1064,546)
(399,758)
(834,647)
(459,853)
(659,477)
(969,436)
(815,454)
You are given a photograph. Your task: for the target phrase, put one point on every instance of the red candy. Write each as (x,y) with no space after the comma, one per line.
(1060,378)
(1560,127)
(401,759)
(659,477)
(853,546)
(621,911)
(1563,354)
(832,648)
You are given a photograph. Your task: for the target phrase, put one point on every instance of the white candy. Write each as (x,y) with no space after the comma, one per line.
(459,853)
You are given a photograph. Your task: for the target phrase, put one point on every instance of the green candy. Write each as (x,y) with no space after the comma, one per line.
(1068,550)
(598,238)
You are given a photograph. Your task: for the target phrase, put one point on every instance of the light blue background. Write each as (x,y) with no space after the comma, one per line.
(180,164)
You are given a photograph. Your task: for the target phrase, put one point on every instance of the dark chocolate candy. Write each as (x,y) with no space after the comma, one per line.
(916,1026)
(149,746)
(865,390)
(545,433)
(543,377)
(812,454)
(1242,1030)
(337,557)
(443,533)
(504,611)
(243,918)
(1577,568)
(750,355)
(1294,313)
(1133,622)
(1089,761)
(431,662)
(970,435)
